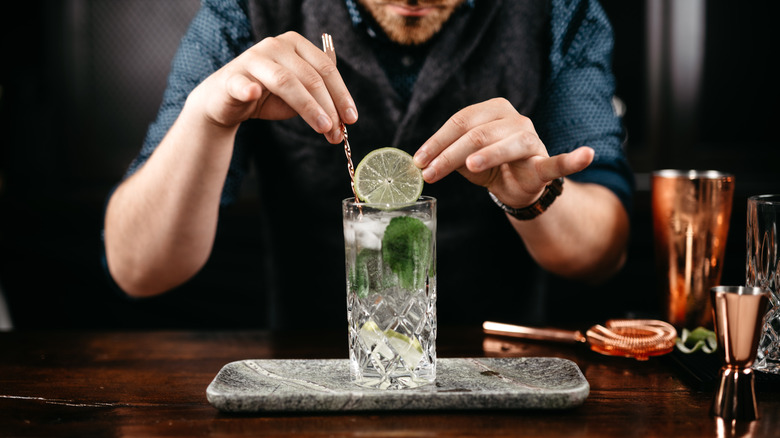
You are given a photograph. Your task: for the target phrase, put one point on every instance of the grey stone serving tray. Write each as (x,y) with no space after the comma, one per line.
(322,385)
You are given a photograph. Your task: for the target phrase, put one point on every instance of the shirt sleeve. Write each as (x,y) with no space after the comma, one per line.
(576,108)
(219,32)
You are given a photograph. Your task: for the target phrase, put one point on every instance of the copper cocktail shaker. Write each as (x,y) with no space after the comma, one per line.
(691,214)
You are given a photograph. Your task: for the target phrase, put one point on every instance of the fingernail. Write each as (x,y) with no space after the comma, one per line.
(420,158)
(429,173)
(476,162)
(351,115)
(323,123)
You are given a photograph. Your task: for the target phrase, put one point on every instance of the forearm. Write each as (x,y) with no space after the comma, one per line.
(160,223)
(583,235)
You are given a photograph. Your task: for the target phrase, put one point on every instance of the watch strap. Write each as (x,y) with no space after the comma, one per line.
(551,191)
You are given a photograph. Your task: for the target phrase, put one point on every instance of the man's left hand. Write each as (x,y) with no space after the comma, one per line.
(494,146)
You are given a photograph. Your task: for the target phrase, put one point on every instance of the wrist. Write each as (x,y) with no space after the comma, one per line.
(204,109)
(548,196)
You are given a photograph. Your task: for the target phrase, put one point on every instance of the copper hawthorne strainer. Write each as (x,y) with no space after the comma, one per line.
(637,338)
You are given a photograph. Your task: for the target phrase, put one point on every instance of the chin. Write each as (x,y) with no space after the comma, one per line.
(411,30)
(413,33)
(411,26)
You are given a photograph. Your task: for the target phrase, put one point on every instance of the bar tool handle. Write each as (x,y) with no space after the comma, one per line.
(533,333)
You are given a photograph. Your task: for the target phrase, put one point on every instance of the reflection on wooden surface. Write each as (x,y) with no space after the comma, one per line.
(154,383)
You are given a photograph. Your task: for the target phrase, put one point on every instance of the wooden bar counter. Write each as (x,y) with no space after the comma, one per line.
(150,383)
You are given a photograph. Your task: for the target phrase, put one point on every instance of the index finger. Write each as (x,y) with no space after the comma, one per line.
(465,120)
(326,67)
(453,129)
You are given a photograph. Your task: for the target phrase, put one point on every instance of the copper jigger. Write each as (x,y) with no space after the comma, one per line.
(738,313)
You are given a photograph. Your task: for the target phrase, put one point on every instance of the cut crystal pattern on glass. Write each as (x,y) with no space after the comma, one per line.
(763,270)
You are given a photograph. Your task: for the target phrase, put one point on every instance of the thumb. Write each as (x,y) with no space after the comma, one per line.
(243,89)
(565,164)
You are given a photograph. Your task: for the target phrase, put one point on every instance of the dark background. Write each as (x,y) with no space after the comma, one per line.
(81,79)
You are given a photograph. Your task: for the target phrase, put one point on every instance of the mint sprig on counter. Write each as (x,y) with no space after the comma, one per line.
(698,339)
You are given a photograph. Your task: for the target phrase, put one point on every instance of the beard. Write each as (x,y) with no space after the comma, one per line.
(410,29)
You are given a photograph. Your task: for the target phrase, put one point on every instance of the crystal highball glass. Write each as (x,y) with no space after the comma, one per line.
(763,270)
(390,254)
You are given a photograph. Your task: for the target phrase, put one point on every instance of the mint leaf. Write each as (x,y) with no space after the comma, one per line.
(367,272)
(698,339)
(406,249)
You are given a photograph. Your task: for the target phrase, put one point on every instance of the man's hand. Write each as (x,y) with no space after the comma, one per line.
(278,78)
(157,239)
(493,146)
(583,235)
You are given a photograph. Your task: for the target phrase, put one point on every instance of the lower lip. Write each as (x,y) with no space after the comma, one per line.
(411,12)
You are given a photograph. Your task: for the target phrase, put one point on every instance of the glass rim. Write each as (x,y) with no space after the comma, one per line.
(692,174)
(769,198)
(351,201)
(740,290)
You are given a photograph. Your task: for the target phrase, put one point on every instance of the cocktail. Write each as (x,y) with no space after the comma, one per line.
(390,252)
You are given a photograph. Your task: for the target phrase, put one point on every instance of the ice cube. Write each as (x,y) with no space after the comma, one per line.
(369,233)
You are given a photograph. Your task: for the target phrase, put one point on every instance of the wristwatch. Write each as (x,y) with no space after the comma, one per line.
(551,191)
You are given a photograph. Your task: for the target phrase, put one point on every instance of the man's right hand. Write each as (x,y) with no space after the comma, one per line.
(278,78)
(157,239)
